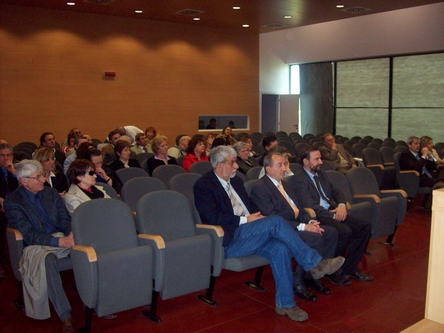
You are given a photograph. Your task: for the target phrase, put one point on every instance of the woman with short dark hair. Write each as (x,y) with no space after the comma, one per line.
(196,152)
(122,149)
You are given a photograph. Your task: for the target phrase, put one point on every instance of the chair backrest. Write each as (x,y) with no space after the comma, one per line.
(396,158)
(400,149)
(201,167)
(179,160)
(126,174)
(241,176)
(371,156)
(254,172)
(143,156)
(301,147)
(92,220)
(327,165)
(375,145)
(249,185)
(362,181)
(295,167)
(136,188)
(109,157)
(348,148)
(184,183)
(109,190)
(166,172)
(390,144)
(401,143)
(377,140)
(144,166)
(357,149)
(387,153)
(340,181)
(166,213)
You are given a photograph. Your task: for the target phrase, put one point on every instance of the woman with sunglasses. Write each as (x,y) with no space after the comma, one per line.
(82,177)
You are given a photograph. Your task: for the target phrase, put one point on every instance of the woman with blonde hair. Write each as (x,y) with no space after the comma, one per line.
(53,177)
(160,150)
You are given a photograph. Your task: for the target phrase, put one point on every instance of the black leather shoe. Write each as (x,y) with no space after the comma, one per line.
(318,286)
(338,279)
(358,275)
(303,293)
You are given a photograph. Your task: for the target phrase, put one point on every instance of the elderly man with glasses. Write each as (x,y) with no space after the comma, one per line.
(39,213)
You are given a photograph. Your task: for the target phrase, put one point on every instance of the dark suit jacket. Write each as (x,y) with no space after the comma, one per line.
(22,215)
(12,184)
(331,155)
(214,205)
(308,195)
(408,161)
(153,163)
(118,164)
(59,182)
(244,167)
(271,202)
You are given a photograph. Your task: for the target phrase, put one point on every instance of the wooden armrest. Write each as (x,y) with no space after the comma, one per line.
(348,206)
(217,228)
(18,235)
(310,212)
(368,196)
(404,194)
(134,213)
(90,252)
(375,166)
(389,163)
(409,171)
(160,243)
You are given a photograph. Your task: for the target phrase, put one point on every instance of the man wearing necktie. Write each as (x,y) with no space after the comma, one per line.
(247,231)
(275,197)
(8,183)
(413,159)
(314,190)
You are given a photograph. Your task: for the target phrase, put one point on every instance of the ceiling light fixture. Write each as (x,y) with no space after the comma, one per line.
(71,3)
(196,18)
(138,11)
(287,16)
(236,7)
(245,25)
(340,6)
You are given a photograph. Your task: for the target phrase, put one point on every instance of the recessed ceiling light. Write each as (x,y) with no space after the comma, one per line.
(236,7)
(340,6)
(287,16)
(196,18)
(245,25)
(71,3)
(138,11)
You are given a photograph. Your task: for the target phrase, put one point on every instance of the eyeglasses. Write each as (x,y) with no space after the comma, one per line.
(38,177)
(91,173)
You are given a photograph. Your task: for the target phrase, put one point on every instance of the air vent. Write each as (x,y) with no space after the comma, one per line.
(356,10)
(274,25)
(99,2)
(190,12)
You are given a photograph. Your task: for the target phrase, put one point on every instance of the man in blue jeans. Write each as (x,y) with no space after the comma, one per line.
(221,199)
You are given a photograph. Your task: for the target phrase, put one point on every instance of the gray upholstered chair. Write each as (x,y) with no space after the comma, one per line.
(114,270)
(109,190)
(183,183)
(189,259)
(15,247)
(249,185)
(166,172)
(389,206)
(136,188)
(143,157)
(241,176)
(201,167)
(126,174)
(385,175)
(387,153)
(254,172)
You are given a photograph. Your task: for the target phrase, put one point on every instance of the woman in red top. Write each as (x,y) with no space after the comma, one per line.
(196,152)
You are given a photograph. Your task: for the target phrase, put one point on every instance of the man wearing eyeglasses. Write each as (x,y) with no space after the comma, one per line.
(8,183)
(39,213)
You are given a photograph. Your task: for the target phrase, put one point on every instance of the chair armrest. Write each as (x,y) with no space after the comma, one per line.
(348,206)
(371,197)
(157,244)
(15,246)
(389,163)
(84,264)
(399,191)
(404,172)
(375,166)
(217,250)
(310,212)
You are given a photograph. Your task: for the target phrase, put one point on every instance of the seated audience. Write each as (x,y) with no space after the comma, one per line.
(212,124)
(37,211)
(150,133)
(227,135)
(208,141)
(334,152)
(72,134)
(130,131)
(161,157)
(244,160)
(123,156)
(8,183)
(221,199)
(268,142)
(218,142)
(53,178)
(47,139)
(104,173)
(69,144)
(113,136)
(284,152)
(249,141)
(142,145)
(422,162)
(196,152)
(180,149)
(427,142)
(82,177)
(78,140)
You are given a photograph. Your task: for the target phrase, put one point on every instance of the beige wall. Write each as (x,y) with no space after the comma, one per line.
(52,63)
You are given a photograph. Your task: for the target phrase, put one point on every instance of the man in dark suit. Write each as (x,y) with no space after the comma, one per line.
(221,199)
(38,212)
(413,159)
(314,190)
(268,142)
(8,183)
(341,159)
(275,197)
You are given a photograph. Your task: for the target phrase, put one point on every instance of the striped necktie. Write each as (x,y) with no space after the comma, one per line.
(237,206)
